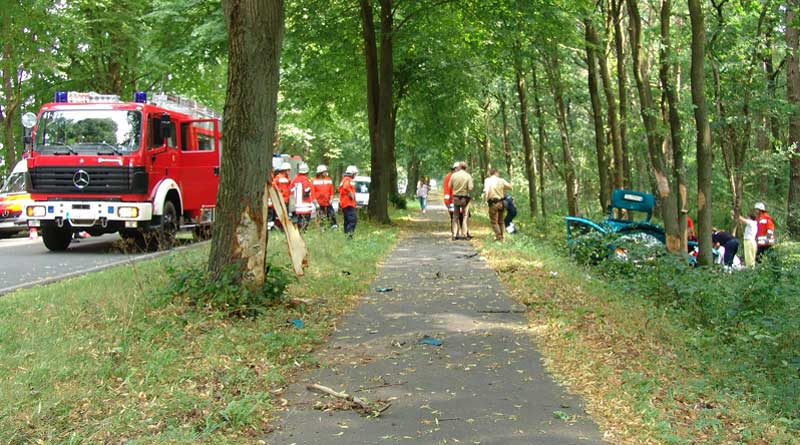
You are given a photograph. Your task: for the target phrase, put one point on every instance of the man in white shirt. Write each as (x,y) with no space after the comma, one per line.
(494,188)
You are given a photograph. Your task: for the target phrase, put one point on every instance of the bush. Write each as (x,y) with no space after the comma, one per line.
(227,293)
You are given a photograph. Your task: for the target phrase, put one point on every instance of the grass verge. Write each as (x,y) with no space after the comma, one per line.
(110,358)
(646,376)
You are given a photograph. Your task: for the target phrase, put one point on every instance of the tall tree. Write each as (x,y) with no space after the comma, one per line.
(672,116)
(793,94)
(622,88)
(530,168)
(704,159)
(604,195)
(255,34)
(553,69)
(649,115)
(379,104)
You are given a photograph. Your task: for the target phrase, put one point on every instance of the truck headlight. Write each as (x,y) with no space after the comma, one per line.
(128,212)
(36,211)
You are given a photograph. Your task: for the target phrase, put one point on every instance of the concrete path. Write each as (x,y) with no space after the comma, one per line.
(483,385)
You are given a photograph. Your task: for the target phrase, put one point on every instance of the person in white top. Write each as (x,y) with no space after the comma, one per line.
(750,246)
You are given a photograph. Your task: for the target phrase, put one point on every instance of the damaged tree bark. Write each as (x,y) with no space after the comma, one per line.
(255,34)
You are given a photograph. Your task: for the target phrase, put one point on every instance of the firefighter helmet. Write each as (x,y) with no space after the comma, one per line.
(285,167)
(351,170)
(321,168)
(760,206)
(303,168)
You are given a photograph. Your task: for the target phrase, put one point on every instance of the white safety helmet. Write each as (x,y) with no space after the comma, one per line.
(321,168)
(456,165)
(760,206)
(351,170)
(285,167)
(303,168)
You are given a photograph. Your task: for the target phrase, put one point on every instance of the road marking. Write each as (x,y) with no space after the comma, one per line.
(129,259)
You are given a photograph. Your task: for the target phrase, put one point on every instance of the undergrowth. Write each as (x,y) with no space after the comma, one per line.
(692,355)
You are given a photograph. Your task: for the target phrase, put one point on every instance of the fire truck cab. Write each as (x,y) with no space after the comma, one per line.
(143,169)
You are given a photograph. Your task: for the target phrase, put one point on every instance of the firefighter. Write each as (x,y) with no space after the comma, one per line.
(301,189)
(282,183)
(765,235)
(321,194)
(347,200)
(448,195)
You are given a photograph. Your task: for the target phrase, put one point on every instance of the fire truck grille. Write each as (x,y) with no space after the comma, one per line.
(94,180)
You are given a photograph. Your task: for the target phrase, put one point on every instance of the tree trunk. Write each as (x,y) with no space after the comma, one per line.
(622,87)
(394,195)
(678,170)
(649,117)
(255,34)
(506,142)
(530,169)
(554,75)
(793,95)
(413,175)
(537,103)
(378,209)
(592,44)
(11,93)
(704,160)
(613,122)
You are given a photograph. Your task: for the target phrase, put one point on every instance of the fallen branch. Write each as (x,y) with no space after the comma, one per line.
(356,403)
(383,385)
(502,311)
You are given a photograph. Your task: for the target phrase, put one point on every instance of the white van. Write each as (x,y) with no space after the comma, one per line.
(13,198)
(361,183)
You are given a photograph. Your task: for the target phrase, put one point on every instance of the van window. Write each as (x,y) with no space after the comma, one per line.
(14,184)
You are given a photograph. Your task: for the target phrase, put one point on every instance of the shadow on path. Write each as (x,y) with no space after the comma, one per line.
(484,384)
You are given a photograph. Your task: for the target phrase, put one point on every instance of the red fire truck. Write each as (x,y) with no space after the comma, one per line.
(143,169)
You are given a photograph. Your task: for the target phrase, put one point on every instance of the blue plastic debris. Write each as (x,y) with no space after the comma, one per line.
(384,289)
(298,323)
(428,340)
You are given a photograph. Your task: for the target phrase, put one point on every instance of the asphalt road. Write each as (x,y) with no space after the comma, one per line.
(25,262)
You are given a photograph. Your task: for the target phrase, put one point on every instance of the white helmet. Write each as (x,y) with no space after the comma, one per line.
(760,206)
(321,168)
(285,167)
(351,170)
(303,168)
(456,165)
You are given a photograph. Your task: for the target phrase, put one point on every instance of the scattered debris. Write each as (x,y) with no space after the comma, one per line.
(346,272)
(553,274)
(362,406)
(502,311)
(297,323)
(469,255)
(428,340)
(383,385)
(383,289)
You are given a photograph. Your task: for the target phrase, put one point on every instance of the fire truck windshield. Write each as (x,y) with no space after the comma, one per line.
(83,131)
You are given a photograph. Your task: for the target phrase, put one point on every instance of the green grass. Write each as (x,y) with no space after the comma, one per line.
(110,358)
(651,373)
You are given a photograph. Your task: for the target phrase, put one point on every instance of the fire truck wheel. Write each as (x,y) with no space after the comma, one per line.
(55,238)
(169,226)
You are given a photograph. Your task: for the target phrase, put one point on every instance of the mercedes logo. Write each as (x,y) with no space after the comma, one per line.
(80,179)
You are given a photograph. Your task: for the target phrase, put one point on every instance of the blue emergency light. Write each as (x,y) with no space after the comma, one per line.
(61,97)
(140,97)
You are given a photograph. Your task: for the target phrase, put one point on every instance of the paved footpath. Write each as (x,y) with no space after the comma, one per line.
(484,385)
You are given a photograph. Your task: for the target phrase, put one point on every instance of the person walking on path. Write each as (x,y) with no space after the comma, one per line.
(321,193)
(724,239)
(461,184)
(494,188)
(347,200)
(765,235)
(422,194)
(749,237)
(448,196)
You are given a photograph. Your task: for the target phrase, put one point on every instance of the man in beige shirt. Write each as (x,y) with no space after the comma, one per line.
(494,188)
(461,186)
